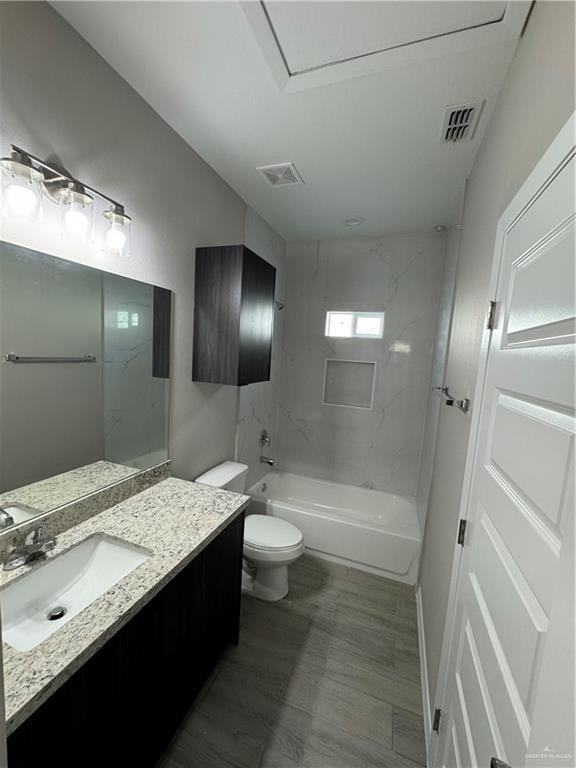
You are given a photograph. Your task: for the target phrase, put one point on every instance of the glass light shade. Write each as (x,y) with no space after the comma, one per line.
(21,190)
(117,238)
(77,211)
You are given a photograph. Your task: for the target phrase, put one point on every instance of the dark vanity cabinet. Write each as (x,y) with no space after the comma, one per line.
(233,316)
(121,708)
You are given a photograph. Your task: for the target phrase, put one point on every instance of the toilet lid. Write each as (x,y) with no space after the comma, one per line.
(267,532)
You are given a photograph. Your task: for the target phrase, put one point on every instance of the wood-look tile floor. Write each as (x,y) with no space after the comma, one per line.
(327,678)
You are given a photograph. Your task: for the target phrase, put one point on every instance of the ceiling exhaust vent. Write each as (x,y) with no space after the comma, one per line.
(461,121)
(281,175)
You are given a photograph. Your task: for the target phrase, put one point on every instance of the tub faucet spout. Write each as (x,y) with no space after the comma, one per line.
(266,460)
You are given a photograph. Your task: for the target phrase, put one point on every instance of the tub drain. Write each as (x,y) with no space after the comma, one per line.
(56,613)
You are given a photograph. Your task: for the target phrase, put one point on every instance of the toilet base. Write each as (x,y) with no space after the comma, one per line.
(269,584)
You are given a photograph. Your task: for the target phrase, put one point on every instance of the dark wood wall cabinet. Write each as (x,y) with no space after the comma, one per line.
(233,316)
(121,708)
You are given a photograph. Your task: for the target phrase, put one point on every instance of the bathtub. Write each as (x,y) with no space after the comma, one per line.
(359,527)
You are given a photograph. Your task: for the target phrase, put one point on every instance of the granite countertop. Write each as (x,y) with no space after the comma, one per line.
(174,520)
(55,491)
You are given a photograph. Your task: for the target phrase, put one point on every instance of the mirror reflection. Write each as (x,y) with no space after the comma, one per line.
(84,387)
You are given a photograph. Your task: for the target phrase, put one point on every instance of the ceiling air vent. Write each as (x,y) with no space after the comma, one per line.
(281,175)
(461,121)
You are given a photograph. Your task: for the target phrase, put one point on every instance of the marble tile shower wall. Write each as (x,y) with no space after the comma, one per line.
(135,402)
(380,447)
(438,366)
(258,403)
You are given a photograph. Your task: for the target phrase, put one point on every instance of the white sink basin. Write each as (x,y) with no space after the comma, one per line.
(64,585)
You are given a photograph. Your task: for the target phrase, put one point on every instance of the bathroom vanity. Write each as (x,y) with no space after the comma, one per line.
(110,687)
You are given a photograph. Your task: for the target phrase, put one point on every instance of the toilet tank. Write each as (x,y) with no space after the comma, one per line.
(229,475)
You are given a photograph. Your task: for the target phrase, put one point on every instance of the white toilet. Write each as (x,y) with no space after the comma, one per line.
(270,544)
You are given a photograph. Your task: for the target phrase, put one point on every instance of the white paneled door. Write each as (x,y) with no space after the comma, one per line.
(510,671)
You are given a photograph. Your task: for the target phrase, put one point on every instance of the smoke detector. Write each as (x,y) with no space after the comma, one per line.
(460,122)
(281,174)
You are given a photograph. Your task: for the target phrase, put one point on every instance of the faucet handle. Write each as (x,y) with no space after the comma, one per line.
(264,438)
(33,536)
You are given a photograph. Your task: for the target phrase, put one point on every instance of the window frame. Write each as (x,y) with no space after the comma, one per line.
(381,316)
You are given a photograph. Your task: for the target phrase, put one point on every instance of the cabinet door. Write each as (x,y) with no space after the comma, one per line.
(256,319)
(217,298)
(81,724)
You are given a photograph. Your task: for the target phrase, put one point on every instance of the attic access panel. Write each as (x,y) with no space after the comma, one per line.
(309,44)
(319,34)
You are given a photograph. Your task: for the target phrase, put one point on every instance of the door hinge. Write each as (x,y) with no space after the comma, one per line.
(462,532)
(436,720)
(491,316)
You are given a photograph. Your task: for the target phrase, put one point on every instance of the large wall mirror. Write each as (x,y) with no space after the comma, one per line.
(84,387)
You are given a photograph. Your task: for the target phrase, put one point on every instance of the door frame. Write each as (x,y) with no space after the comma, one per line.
(558,154)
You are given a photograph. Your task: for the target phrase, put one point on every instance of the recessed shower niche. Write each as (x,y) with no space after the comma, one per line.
(349,383)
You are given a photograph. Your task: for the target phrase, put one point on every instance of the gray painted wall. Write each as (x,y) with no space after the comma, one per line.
(536,101)
(61,100)
(258,403)
(401,276)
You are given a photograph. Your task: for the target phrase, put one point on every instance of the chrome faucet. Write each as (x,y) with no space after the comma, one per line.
(28,549)
(6,519)
(265,440)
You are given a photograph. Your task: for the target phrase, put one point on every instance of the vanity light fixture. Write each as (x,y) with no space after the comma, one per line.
(26,180)
(20,187)
(117,240)
(77,208)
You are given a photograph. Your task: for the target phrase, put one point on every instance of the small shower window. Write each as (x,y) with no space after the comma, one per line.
(355,325)
(122,318)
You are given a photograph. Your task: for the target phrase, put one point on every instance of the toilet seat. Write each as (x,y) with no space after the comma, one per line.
(271,534)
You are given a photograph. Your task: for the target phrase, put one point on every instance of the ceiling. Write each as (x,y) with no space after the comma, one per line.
(353,93)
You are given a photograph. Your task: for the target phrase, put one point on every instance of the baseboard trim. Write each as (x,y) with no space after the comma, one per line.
(424,674)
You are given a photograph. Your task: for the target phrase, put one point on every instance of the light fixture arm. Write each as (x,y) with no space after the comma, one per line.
(60,176)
